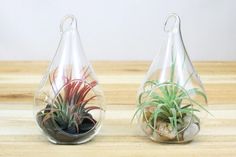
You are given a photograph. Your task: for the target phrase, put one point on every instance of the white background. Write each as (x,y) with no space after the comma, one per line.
(117,29)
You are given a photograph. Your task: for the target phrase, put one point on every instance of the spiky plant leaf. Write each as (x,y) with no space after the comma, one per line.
(70,107)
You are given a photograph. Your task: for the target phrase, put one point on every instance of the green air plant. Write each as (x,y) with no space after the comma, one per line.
(68,112)
(167,108)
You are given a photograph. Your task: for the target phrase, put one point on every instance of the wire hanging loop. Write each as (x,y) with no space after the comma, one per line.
(68,22)
(172,23)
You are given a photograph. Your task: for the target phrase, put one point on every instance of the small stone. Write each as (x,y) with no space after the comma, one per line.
(187,119)
(86,125)
(164,129)
(71,130)
(62,124)
(192,119)
(191,131)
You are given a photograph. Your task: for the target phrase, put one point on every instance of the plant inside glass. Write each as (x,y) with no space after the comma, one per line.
(168,112)
(67,117)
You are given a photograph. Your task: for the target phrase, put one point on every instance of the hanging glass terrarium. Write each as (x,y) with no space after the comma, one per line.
(172,99)
(69,102)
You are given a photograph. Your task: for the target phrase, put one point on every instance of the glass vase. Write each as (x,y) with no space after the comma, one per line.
(171,100)
(69,103)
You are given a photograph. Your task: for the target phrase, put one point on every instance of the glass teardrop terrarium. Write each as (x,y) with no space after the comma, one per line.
(69,104)
(172,98)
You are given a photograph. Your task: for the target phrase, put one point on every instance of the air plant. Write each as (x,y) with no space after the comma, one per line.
(69,109)
(170,103)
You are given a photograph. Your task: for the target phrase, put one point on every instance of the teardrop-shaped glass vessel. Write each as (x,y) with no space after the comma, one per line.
(171,99)
(69,104)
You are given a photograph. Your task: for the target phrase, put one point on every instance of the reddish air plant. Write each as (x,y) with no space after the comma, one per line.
(70,109)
